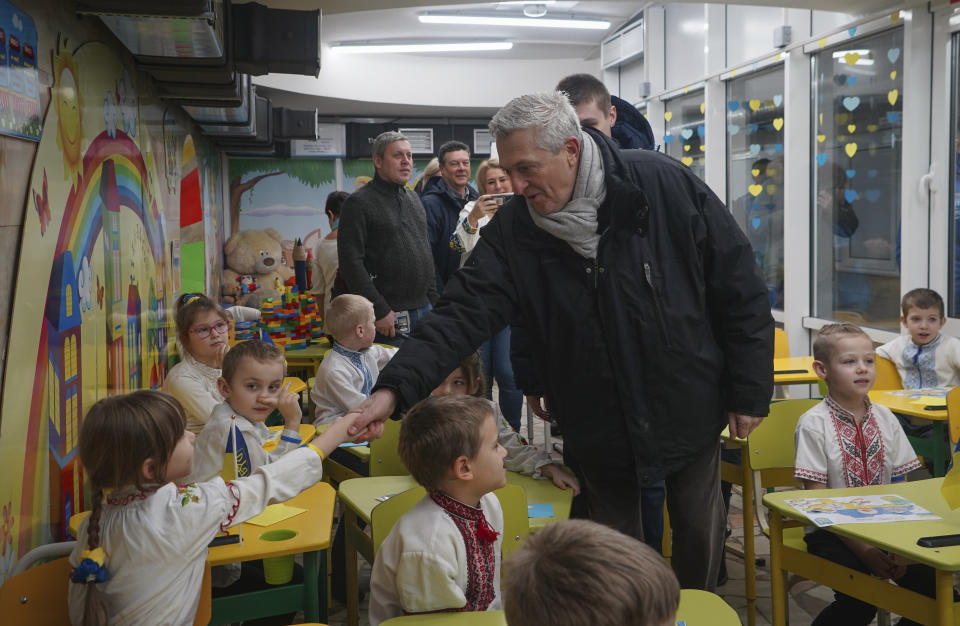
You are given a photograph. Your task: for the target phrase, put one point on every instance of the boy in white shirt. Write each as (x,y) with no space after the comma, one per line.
(924,357)
(349,371)
(252,387)
(444,553)
(846,441)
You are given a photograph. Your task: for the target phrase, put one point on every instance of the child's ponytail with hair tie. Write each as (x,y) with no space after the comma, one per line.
(92,568)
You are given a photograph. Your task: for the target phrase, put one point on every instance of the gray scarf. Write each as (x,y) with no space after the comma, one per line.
(576,222)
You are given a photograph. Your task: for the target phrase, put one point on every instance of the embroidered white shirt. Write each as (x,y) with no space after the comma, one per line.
(944,362)
(338,385)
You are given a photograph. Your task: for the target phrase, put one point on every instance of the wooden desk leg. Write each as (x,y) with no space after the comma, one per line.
(944,598)
(352,576)
(749,549)
(778,594)
(311,586)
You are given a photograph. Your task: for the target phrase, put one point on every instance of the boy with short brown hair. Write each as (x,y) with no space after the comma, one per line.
(924,357)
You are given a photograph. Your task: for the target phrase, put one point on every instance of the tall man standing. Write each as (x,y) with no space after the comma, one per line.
(443,197)
(383,250)
(648,323)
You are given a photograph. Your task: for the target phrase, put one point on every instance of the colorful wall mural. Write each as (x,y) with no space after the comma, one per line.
(92,306)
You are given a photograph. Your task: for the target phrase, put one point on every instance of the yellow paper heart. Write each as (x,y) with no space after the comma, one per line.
(822,41)
(754,105)
(895,17)
(778,123)
(872,148)
(703,107)
(893,75)
(821,119)
(771,189)
(686,147)
(703,147)
(821,138)
(850,149)
(851,128)
(755,190)
(892,96)
(842,118)
(851,58)
(668,116)
(687,161)
(755,171)
(686,90)
(872,128)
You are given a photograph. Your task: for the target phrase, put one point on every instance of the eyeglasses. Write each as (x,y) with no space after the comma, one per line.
(204,331)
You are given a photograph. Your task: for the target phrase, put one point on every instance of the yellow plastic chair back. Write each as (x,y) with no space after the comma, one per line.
(781,346)
(770,445)
(703,607)
(386,514)
(384,453)
(887,375)
(953,415)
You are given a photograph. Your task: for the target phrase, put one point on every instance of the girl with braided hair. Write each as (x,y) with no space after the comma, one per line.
(140,553)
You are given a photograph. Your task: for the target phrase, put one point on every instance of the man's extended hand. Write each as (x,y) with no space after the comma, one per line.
(387,325)
(374,411)
(742,425)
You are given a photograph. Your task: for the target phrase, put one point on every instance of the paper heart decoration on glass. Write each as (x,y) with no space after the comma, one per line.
(851,173)
(872,173)
(872,128)
(872,195)
(852,81)
(892,96)
(849,195)
(733,129)
(822,159)
(771,189)
(754,149)
(755,190)
(754,105)
(893,116)
(667,138)
(686,133)
(733,105)
(686,147)
(777,100)
(893,75)
(851,128)
(755,172)
(778,123)
(893,54)
(701,130)
(850,149)
(851,58)
(668,116)
(703,107)
(755,222)
(851,102)
(821,138)
(688,161)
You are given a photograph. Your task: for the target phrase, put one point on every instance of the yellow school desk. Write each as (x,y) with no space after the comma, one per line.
(359,496)
(899,538)
(702,608)
(468,618)
(308,358)
(794,370)
(307,433)
(313,528)
(937,447)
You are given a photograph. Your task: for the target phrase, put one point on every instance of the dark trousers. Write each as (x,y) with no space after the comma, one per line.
(614,498)
(848,611)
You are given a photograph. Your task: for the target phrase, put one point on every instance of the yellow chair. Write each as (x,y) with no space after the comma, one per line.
(766,462)
(384,452)
(953,415)
(703,607)
(781,345)
(470,618)
(887,375)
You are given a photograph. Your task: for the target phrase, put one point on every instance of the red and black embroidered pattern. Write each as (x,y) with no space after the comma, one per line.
(233,510)
(479,538)
(861,445)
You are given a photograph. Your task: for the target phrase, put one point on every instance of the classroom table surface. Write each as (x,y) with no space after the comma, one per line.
(470,618)
(897,537)
(702,608)
(898,403)
(307,433)
(794,370)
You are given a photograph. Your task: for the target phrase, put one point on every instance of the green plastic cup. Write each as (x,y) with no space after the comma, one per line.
(278,570)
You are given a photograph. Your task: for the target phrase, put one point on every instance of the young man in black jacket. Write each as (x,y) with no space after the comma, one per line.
(648,323)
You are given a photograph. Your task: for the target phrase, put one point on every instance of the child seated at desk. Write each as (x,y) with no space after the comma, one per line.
(521,457)
(924,357)
(444,553)
(846,441)
(347,374)
(252,387)
(140,553)
(579,572)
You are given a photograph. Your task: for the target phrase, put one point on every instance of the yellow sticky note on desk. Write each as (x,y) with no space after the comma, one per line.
(275,513)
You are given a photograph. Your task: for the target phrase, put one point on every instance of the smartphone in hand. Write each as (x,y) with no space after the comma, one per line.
(500,198)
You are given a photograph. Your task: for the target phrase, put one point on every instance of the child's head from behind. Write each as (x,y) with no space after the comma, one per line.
(844,357)
(252,374)
(923,315)
(453,439)
(350,320)
(202,325)
(580,572)
(467,379)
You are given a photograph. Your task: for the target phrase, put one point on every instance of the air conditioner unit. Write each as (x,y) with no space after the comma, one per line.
(202,95)
(292,124)
(276,40)
(236,116)
(262,128)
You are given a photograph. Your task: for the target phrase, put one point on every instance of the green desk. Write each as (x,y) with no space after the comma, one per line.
(896,537)
(938,446)
(308,358)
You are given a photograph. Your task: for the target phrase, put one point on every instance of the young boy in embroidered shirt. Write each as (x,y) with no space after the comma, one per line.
(846,441)
(252,387)
(924,357)
(444,553)
(348,373)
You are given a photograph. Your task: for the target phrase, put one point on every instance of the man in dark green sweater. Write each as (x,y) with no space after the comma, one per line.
(383,248)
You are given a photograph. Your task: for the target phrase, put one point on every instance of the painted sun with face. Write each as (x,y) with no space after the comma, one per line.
(69,106)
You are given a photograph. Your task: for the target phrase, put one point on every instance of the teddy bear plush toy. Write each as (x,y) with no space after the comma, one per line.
(254,259)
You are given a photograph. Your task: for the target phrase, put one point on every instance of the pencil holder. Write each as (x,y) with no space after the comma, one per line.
(278,570)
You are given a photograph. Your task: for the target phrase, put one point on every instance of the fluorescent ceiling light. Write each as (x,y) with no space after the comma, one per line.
(497,20)
(453,46)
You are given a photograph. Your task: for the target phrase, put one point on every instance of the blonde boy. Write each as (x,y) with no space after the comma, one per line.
(444,553)
(252,387)
(924,357)
(846,441)
(347,374)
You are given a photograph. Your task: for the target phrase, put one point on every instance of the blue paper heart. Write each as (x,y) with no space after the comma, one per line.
(701,130)
(872,195)
(851,102)
(841,79)
(893,54)
(852,31)
(686,133)
(851,173)
(770,206)
(754,149)
(755,222)
(754,128)
(733,129)
(821,99)
(893,116)
(754,206)
(667,138)
(849,195)
(778,147)
(872,173)
(851,80)
(777,100)
(822,158)
(733,105)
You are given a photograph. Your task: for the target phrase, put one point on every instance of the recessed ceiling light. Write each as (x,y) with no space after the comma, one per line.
(497,20)
(426,46)
(535,9)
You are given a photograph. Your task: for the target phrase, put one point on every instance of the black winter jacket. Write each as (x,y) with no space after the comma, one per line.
(640,352)
(443,205)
